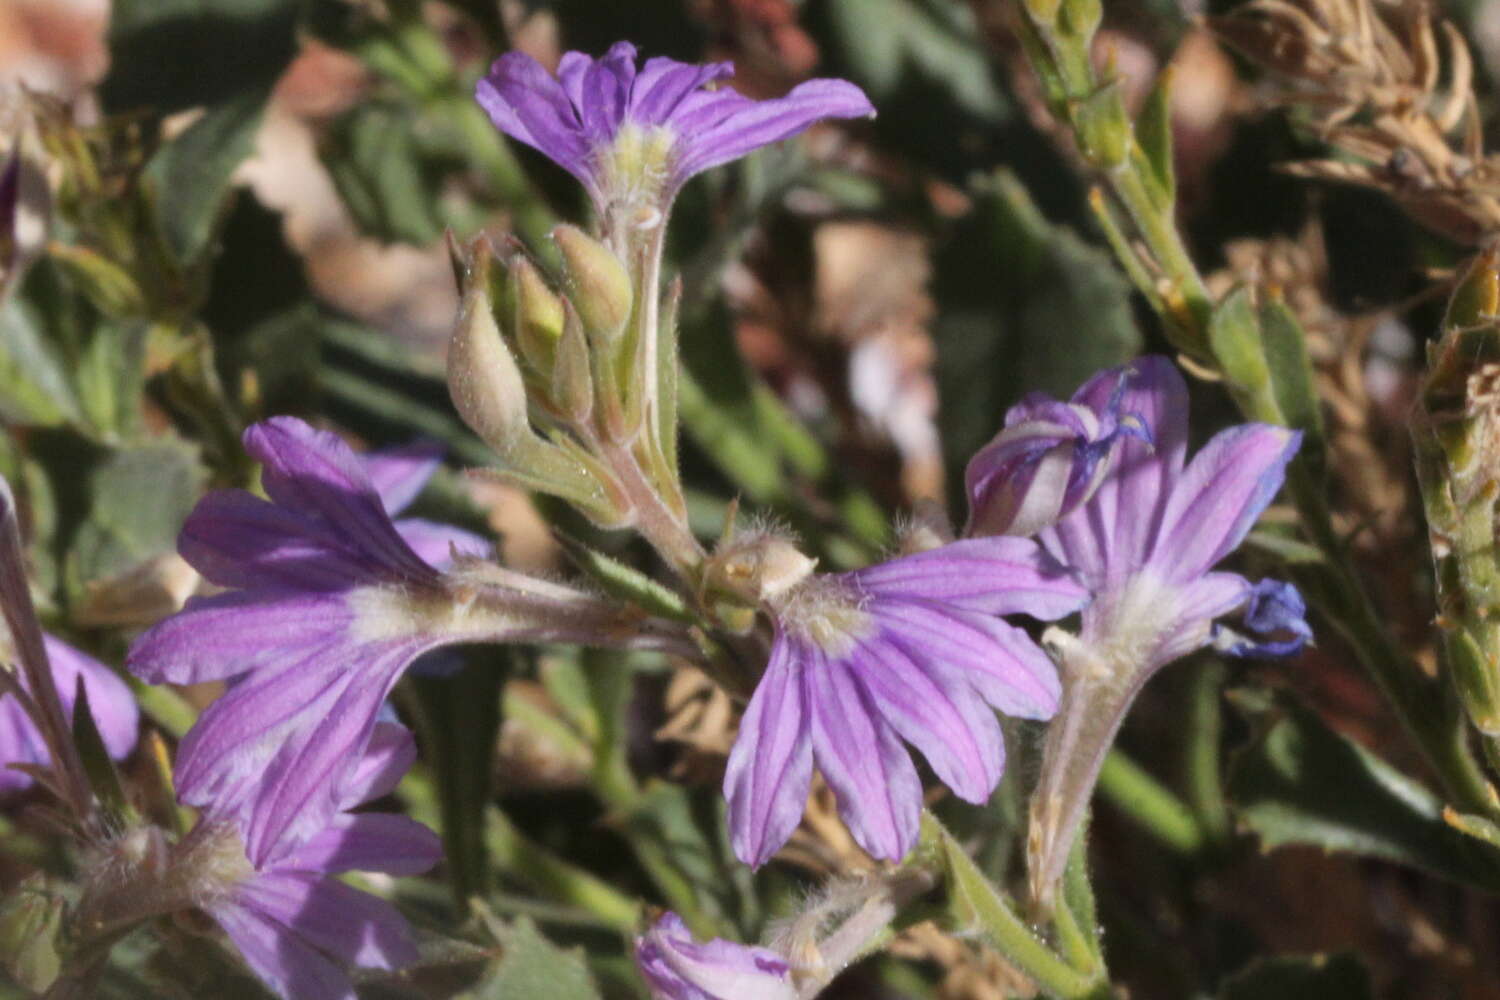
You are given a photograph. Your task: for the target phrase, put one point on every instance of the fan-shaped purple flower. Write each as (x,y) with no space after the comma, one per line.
(912,649)
(634,137)
(677,967)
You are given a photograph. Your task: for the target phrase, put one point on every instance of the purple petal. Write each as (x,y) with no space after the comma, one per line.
(1220,496)
(605,93)
(368,842)
(236,539)
(213,638)
(663,83)
(316,473)
(1110,536)
(527,104)
(435,543)
(676,967)
(1188,623)
(113,706)
(998,575)
(1010,671)
(348,924)
(879,794)
(1276,617)
(750,125)
(398,474)
(292,969)
(388,756)
(770,766)
(20,743)
(936,711)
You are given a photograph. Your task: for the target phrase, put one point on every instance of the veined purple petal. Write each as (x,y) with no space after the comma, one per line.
(997,575)
(236,539)
(529,105)
(316,473)
(1219,497)
(878,792)
(367,842)
(935,710)
(1186,624)
(1002,663)
(760,123)
(398,474)
(214,638)
(293,969)
(341,921)
(770,766)
(606,93)
(662,84)
(388,756)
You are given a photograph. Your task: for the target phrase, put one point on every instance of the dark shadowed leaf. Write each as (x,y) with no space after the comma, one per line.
(1300,783)
(1300,977)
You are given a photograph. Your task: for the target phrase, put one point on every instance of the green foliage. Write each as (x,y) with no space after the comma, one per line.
(531,966)
(1300,783)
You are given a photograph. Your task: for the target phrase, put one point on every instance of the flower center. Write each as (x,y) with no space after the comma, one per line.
(824,611)
(633,171)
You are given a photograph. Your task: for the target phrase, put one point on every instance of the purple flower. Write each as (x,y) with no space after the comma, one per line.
(676,967)
(327,606)
(633,137)
(296,928)
(398,475)
(1050,458)
(910,649)
(111,703)
(1146,544)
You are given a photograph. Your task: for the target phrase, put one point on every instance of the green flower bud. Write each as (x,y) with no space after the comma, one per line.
(598,282)
(538,314)
(1104,127)
(30,922)
(483,378)
(572,379)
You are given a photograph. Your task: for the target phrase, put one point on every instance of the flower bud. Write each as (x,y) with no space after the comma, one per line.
(1104,127)
(676,967)
(572,379)
(483,378)
(598,282)
(1049,459)
(30,922)
(758,567)
(538,314)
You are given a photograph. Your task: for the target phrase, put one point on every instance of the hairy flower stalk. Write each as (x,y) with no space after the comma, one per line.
(1145,545)
(633,136)
(329,605)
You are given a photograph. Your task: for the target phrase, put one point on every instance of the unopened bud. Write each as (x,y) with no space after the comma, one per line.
(758,568)
(1476,299)
(1104,127)
(483,378)
(30,922)
(538,314)
(598,282)
(572,381)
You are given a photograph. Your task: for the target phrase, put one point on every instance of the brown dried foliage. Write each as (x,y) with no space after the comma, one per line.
(1371,78)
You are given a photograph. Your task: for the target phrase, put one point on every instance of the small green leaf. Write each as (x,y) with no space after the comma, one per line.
(531,966)
(1292,380)
(384,174)
(35,389)
(625,582)
(1300,783)
(1300,977)
(1235,338)
(138,500)
(1153,130)
(190,175)
(104,779)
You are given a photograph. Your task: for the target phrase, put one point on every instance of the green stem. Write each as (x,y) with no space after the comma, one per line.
(980,904)
(1201,753)
(549,875)
(1150,803)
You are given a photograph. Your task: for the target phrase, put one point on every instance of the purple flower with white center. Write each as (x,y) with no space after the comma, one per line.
(1146,544)
(1050,458)
(297,928)
(676,967)
(634,137)
(328,606)
(111,703)
(912,649)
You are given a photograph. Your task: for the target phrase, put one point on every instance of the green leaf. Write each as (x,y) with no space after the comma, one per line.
(384,173)
(1292,381)
(1300,783)
(1300,977)
(104,779)
(34,385)
(1026,305)
(459,721)
(234,46)
(624,581)
(190,175)
(139,497)
(531,966)
(1153,130)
